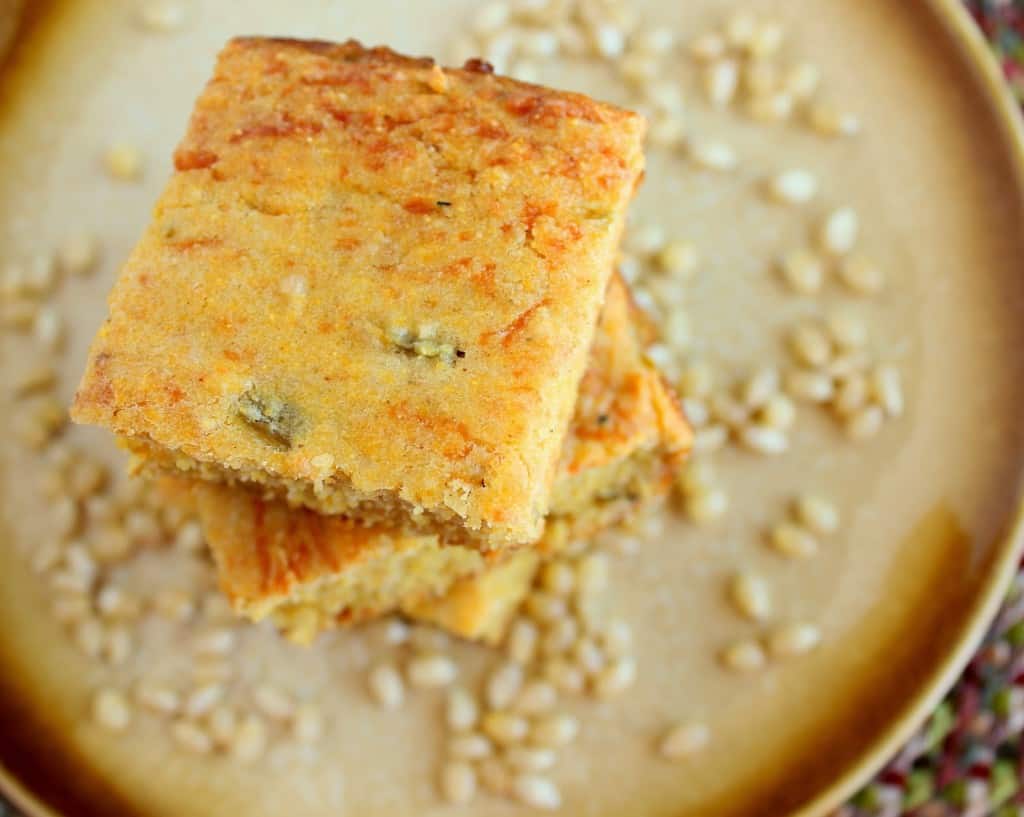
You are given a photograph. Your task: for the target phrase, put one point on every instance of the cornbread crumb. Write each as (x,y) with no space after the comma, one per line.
(462,453)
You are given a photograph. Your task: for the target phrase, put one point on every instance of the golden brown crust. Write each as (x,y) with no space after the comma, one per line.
(626,439)
(332,206)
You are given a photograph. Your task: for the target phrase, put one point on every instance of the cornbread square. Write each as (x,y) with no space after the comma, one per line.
(370,287)
(626,441)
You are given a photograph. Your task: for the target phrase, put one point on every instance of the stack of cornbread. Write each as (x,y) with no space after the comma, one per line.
(374,333)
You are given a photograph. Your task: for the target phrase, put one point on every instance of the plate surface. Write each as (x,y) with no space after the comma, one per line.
(928,507)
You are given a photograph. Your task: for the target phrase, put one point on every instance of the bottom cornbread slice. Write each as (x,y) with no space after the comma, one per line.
(310,572)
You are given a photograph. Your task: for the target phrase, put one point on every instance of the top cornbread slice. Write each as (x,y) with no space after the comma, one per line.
(370,285)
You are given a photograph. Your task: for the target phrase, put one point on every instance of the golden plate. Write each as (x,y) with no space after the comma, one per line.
(933,517)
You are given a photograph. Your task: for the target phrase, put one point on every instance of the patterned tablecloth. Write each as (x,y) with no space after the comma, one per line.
(968,759)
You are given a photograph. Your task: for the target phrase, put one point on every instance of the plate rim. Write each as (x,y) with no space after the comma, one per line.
(976,55)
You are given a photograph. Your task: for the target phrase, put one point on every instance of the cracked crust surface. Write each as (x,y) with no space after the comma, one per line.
(371,285)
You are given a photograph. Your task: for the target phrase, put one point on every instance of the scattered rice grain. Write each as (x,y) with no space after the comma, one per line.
(471,746)
(273,702)
(504,683)
(589,657)
(493,774)
(665,96)
(793,639)
(779,412)
(828,120)
(203,699)
(250,739)
(749,595)
(157,698)
(537,792)
(812,387)
(861,275)
(219,641)
(696,380)
(386,686)
(608,41)
(521,643)
(530,759)
(461,710)
(760,77)
(490,18)
(124,162)
(646,239)
(431,670)
(810,345)
(706,505)
(540,44)
(764,439)
(766,40)
(308,723)
(696,411)
(721,79)
(760,387)
(223,724)
(802,271)
(558,577)
(710,438)
(592,574)
(535,698)
(111,710)
(839,231)
(39,377)
(802,80)
(684,741)
(458,782)
(117,646)
(560,636)
(88,637)
(817,514)
(793,541)
(615,678)
(851,395)
(505,727)
(847,330)
(679,258)
(192,737)
(708,47)
(744,656)
(793,187)
(740,29)
(865,424)
(161,17)
(712,155)
(554,731)
(565,676)
(773,107)
(887,388)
